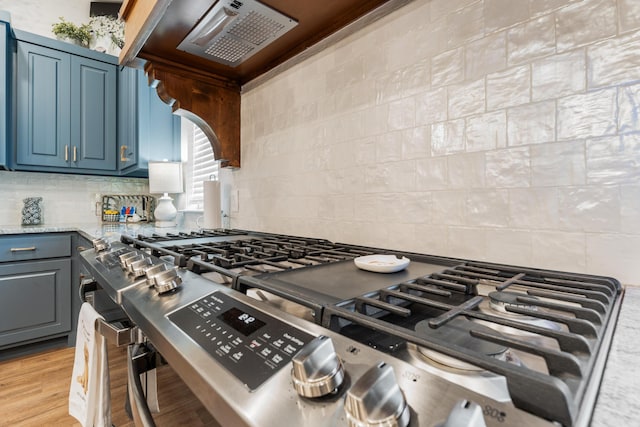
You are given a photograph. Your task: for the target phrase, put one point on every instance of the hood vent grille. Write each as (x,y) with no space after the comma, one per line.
(233,30)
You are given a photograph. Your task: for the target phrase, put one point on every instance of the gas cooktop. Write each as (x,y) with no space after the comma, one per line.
(527,346)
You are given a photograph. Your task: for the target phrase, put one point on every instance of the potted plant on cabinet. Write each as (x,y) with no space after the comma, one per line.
(108,34)
(68,31)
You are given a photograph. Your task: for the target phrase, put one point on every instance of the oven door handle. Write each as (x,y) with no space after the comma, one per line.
(138,363)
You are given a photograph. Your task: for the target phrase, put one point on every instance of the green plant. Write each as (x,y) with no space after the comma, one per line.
(65,29)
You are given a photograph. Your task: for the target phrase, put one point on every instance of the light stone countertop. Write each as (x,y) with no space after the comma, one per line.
(617,403)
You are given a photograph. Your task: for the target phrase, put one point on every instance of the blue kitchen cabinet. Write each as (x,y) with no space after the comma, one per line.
(66,108)
(147,127)
(35,289)
(5,86)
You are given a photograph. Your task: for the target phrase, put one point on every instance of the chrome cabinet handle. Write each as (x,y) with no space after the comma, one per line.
(28,249)
(75,153)
(66,153)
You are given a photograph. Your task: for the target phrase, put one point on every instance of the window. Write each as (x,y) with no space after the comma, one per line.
(200,163)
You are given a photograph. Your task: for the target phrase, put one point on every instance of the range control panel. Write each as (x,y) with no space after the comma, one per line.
(250,344)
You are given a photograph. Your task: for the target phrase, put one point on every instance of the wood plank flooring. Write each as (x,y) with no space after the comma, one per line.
(34,392)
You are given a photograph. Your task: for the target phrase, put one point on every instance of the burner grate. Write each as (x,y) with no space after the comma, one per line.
(582,304)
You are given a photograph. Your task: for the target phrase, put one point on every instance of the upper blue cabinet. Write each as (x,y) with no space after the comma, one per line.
(5,89)
(147,127)
(66,107)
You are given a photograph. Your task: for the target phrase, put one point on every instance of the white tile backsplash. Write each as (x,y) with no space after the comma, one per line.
(66,199)
(497,130)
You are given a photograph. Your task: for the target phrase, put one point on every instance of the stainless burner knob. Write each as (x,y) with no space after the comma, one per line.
(130,261)
(152,271)
(377,400)
(125,257)
(317,370)
(465,413)
(139,267)
(167,281)
(100,244)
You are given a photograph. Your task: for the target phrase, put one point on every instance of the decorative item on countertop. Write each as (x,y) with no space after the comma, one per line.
(165,177)
(32,211)
(141,207)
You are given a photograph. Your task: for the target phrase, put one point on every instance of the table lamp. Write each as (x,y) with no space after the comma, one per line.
(165,178)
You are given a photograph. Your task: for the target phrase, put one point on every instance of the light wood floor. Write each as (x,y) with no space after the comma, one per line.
(34,392)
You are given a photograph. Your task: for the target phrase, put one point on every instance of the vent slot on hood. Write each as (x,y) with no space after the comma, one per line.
(232,31)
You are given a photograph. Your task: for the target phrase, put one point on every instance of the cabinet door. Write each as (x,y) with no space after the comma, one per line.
(147,126)
(127,118)
(43,118)
(5,79)
(93,114)
(35,300)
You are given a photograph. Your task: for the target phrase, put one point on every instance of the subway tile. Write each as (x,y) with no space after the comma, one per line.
(508,167)
(402,114)
(557,250)
(375,120)
(409,208)
(558,75)
(416,142)
(432,174)
(614,255)
(487,208)
(447,67)
(539,7)
(558,164)
(466,99)
(630,208)
(499,14)
(508,88)
(441,8)
(403,82)
(469,25)
(531,40)
(509,247)
(585,22)
(486,131)
(447,137)
(389,147)
(391,177)
(468,242)
(628,108)
(466,170)
(429,239)
(628,15)
(614,160)
(485,56)
(531,123)
(587,115)
(431,106)
(448,207)
(592,209)
(533,208)
(614,61)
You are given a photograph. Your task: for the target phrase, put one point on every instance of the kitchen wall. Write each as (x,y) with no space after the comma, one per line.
(67,199)
(499,130)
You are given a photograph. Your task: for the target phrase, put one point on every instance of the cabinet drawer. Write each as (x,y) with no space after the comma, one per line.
(35,300)
(34,246)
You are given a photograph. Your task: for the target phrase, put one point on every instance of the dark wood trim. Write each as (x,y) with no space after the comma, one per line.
(214,108)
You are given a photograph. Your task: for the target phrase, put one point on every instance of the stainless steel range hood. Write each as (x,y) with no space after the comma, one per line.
(233,30)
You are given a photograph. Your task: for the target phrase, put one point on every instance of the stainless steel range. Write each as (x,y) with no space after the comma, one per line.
(244,316)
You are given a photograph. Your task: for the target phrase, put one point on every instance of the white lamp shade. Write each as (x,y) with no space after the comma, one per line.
(165,177)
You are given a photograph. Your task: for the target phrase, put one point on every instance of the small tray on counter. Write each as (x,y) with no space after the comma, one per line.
(144,206)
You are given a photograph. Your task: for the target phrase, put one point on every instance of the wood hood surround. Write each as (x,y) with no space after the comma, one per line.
(207,92)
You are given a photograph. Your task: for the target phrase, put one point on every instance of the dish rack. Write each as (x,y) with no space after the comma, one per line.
(144,205)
